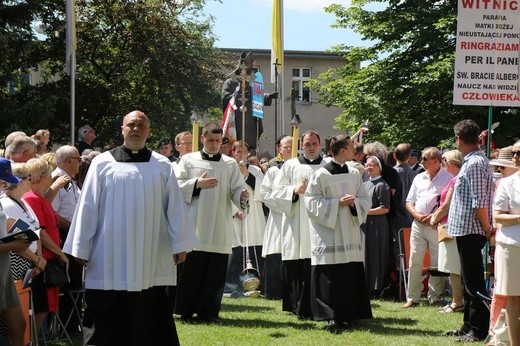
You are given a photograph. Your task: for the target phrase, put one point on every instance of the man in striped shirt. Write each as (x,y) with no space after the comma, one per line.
(470,221)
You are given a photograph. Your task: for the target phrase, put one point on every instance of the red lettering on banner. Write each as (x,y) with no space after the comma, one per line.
(509,47)
(491,4)
(490,96)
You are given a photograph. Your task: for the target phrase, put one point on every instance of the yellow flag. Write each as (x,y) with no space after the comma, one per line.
(277,39)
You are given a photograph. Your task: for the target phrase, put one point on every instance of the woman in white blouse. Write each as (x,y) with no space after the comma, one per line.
(16,208)
(506,211)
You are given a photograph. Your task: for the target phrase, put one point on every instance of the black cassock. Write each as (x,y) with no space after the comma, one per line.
(339,291)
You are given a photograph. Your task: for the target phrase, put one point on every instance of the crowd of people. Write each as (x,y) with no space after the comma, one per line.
(150,235)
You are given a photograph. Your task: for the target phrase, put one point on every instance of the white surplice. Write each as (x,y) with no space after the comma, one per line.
(335,233)
(129,222)
(254,224)
(211,212)
(272,243)
(295,222)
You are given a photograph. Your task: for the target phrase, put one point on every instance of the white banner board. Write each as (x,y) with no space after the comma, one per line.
(486,59)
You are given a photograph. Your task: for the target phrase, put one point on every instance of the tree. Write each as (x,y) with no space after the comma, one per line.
(152,55)
(405,91)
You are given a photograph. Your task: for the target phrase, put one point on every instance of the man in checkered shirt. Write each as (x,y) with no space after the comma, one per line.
(470,221)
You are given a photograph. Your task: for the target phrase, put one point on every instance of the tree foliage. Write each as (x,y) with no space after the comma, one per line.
(405,91)
(152,55)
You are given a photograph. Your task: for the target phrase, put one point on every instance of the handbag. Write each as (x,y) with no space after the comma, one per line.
(442,231)
(55,273)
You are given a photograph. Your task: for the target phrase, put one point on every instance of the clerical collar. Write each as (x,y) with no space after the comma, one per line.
(336,163)
(210,157)
(375,178)
(335,168)
(123,154)
(315,161)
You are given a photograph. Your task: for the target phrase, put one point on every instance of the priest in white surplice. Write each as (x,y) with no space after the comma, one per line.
(337,203)
(248,225)
(272,244)
(290,185)
(210,182)
(129,228)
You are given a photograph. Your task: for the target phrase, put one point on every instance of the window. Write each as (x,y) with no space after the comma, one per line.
(299,77)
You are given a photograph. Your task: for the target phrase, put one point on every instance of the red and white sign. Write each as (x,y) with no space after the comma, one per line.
(486,59)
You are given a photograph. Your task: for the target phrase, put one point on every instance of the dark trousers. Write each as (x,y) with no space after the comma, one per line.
(297,287)
(476,314)
(129,318)
(272,277)
(200,285)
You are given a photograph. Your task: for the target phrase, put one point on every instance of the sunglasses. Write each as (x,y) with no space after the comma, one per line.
(513,153)
(426,158)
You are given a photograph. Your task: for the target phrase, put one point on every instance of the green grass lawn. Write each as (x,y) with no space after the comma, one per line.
(257,321)
(251,321)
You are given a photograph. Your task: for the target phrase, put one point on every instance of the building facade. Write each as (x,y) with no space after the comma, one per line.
(299,67)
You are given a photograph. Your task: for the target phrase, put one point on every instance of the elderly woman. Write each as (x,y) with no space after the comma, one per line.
(16,208)
(448,255)
(41,180)
(506,211)
(10,308)
(376,229)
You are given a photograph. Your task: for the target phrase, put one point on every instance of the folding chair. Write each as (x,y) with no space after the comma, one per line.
(75,296)
(55,330)
(25,294)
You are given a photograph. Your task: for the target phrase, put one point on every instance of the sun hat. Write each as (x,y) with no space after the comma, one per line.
(505,158)
(6,173)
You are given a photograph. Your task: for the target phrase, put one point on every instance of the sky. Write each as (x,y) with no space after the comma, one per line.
(247,24)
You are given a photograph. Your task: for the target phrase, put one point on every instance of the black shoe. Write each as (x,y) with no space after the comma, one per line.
(458,332)
(469,337)
(210,319)
(187,319)
(333,326)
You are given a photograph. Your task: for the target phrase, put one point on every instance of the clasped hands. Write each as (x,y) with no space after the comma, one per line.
(349,200)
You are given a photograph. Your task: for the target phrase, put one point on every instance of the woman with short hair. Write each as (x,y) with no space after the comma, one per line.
(41,180)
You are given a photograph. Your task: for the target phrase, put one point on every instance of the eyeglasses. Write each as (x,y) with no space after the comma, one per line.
(499,167)
(27,177)
(513,153)
(74,158)
(426,158)
(185,143)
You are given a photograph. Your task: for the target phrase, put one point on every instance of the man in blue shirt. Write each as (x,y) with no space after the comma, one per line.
(470,221)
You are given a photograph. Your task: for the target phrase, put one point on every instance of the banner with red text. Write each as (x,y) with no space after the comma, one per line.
(486,59)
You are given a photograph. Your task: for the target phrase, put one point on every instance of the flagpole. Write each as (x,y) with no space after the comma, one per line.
(71,59)
(276,105)
(277,63)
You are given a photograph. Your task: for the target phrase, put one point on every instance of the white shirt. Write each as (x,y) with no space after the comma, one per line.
(14,211)
(507,198)
(424,193)
(65,201)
